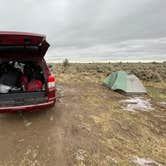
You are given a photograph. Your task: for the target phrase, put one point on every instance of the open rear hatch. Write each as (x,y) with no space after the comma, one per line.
(22,43)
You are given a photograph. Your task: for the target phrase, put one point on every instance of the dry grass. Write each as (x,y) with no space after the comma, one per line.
(155,72)
(124,134)
(121,135)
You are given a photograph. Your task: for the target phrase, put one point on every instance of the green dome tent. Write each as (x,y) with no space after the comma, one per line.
(128,83)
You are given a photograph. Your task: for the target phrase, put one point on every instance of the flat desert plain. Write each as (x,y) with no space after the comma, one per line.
(90,125)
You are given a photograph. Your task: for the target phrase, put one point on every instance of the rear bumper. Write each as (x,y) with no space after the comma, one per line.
(28,108)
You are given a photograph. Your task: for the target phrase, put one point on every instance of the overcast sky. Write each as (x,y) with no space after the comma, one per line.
(92,30)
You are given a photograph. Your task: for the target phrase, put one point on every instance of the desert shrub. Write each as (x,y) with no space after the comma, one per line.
(147,75)
(66,63)
(101,69)
(145,71)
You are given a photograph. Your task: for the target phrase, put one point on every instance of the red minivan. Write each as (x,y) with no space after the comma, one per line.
(26,83)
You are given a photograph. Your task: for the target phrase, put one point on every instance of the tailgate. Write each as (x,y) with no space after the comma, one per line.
(21,99)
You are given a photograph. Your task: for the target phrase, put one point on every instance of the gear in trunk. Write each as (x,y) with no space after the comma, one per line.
(21,77)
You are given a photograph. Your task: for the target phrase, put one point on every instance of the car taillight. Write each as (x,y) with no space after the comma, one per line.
(51,82)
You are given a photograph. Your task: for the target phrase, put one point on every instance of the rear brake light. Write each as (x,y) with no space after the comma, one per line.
(51,82)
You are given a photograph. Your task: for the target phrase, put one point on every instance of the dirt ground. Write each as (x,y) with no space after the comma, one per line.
(87,127)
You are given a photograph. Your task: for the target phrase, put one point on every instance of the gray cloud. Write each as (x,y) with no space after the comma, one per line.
(129,50)
(94,27)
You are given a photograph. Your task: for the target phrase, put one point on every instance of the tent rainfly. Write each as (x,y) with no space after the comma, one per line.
(124,82)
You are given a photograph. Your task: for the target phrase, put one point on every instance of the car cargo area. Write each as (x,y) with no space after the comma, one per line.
(22,83)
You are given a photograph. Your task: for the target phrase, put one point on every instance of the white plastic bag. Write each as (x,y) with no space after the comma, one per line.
(4,88)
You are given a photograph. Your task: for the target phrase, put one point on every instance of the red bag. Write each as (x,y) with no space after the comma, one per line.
(24,80)
(35,85)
